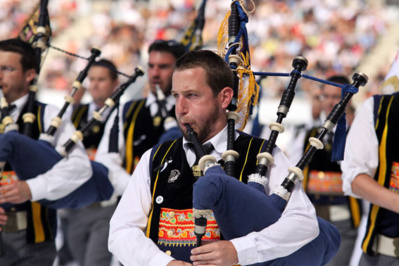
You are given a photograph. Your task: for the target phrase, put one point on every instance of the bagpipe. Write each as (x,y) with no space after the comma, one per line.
(216,190)
(239,208)
(76,85)
(39,42)
(29,157)
(192,40)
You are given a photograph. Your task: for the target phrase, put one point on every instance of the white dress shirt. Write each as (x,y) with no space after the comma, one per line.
(127,241)
(113,161)
(361,150)
(69,173)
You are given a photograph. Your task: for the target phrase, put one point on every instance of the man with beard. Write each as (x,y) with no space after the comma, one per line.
(153,223)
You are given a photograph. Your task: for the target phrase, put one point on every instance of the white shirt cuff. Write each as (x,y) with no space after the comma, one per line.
(38,188)
(246,250)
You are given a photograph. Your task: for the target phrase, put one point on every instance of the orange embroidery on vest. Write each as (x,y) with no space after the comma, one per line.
(176,228)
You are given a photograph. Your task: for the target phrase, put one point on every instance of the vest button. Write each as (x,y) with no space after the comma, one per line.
(159,199)
(171,214)
(168,252)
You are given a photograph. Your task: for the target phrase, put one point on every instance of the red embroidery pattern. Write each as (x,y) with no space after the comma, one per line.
(327,183)
(8,177)
(176,228)
(394,181)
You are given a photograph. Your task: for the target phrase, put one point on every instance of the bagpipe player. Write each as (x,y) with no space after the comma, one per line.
(28,228)
(153,222)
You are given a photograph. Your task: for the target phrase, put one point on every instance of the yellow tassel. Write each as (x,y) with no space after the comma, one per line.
(247,89)
(223,36)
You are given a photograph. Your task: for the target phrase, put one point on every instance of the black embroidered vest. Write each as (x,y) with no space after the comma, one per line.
(380,220)
(92,137)
(141,132)
(177,195)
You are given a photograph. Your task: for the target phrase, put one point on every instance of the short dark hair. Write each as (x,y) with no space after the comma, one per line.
(217,71)
(113,72)
(340,79)
(28,56)
(170,46)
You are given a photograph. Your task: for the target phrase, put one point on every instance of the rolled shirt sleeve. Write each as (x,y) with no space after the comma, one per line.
(361,150)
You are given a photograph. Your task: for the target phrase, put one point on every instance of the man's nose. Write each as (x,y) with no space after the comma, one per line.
(155,71)
(181,106)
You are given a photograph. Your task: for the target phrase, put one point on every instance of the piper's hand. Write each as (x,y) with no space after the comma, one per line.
(3,217)
(16,193)
(217,253)
(179,263)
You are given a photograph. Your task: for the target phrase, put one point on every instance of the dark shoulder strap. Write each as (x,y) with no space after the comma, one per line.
(129,107)
(248,147)
(376,107)
(78,113)
(158,152)
(153,152)
(40,115)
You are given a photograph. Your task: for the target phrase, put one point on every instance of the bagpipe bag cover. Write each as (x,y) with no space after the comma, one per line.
(29,158)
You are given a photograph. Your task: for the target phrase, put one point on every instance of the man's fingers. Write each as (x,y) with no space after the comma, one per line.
(203,249)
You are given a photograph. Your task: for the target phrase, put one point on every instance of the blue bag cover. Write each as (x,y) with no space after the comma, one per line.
(29,158)
(240,209)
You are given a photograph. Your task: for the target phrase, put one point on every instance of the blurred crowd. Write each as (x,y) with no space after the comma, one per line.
(14,13)
(334,35)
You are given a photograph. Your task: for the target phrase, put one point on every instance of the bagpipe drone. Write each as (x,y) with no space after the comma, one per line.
(192,40)
(29,157)
(251,209)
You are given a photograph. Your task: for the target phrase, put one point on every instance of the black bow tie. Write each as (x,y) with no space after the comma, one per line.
(11,107)
(208,148)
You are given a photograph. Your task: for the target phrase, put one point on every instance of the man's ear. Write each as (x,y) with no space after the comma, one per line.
(226,94)
(30,74)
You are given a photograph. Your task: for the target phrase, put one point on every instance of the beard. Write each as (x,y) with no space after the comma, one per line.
(205,130)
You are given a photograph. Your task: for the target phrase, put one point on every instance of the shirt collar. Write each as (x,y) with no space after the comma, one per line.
(20,103)
(219,142)
(170,100)
(150,99)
